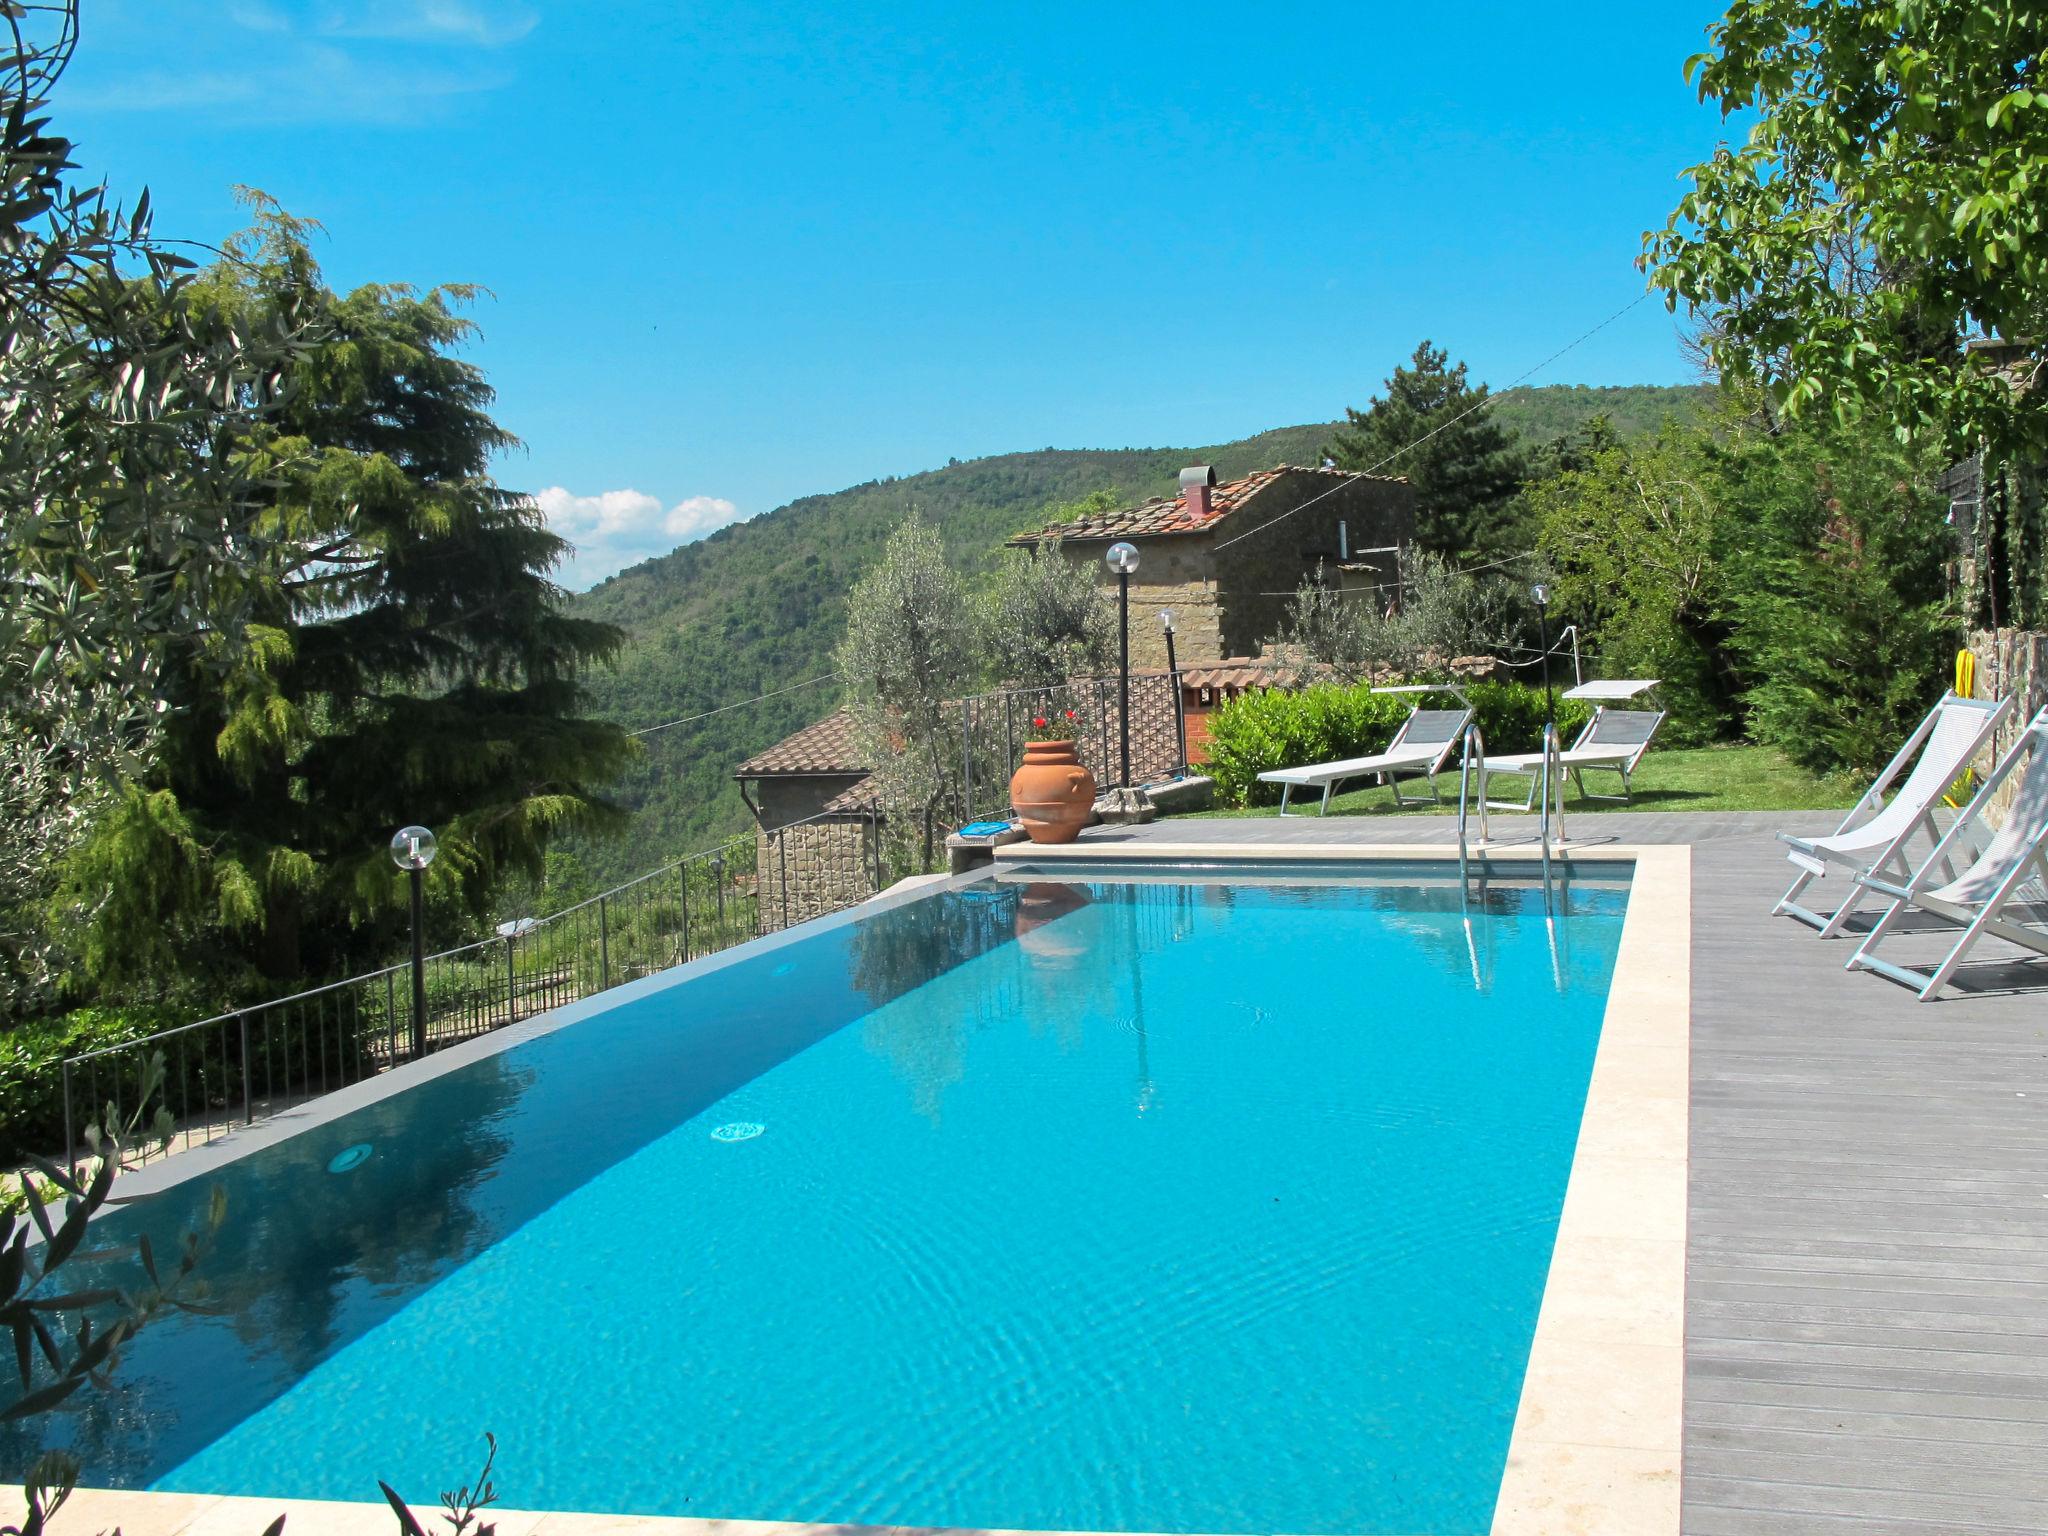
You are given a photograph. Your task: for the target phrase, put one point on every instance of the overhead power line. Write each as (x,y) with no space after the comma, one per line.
(1443,426)
(823,677)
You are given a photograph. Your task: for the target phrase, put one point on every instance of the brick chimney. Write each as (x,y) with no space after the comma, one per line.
(1196,482)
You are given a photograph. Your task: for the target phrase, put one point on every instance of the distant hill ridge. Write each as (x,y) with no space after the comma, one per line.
(761,604)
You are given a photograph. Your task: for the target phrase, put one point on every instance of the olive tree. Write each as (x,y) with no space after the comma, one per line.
(911,643)
(1047,619)
(132,504)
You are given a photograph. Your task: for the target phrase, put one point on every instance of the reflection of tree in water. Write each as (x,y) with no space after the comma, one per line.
(425,1222)
(306,1262)
(899,951)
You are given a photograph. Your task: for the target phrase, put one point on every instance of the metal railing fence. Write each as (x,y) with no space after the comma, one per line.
(994,726)
(245,1064)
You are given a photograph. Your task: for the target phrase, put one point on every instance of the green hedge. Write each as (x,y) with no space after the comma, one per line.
(31,1055)
(1256,732)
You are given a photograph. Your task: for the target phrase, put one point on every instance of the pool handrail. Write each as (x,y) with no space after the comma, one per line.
(1474,751)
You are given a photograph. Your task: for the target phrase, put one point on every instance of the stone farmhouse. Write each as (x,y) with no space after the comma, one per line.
(1225,558)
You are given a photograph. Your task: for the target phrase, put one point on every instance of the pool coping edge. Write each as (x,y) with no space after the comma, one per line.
(1598,1434)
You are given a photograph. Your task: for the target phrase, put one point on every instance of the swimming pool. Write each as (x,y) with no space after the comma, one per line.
(1197,1201)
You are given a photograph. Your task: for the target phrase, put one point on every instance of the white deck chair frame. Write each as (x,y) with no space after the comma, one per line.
(1595,746)
(1898,807)
(2013,857)
(1424,759)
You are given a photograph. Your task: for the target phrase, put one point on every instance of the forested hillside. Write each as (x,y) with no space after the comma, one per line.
(761,605)
(1538,415)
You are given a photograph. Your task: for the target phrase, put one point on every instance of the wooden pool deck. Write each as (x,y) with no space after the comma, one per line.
(1866,1330)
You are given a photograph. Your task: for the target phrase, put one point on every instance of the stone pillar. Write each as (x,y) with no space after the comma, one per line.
(2011,661)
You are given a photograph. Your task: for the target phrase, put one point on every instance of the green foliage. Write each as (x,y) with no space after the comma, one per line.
(1790,581)
(31,1086)
(1047,619)
(1258,732)
(64,1336)
(1633,539)
(406,660)
(1886,204)
(911,643)
(1837,597)
(1444,614)
(1447,613)
(1466,469)
(132,510)
(1330,627)
(1541,414)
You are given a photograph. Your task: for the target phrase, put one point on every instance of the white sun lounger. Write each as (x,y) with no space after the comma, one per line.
(1615,739)
(1420,747)
(1872,837)
(2014,859)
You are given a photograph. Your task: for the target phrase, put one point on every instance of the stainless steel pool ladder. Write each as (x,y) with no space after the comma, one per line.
(1475,753)
(1474,756)
(1471,776)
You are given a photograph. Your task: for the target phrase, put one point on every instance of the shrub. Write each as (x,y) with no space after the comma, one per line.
(291,1048)
(32,1054)
(1256,732)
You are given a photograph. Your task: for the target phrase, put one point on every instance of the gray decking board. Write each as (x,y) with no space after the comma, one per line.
(1867,1266)
(1869,1182)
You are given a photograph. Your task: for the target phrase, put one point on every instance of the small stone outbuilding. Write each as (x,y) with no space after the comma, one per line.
(815,845)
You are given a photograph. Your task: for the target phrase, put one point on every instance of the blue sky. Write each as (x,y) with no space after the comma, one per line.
(744,252)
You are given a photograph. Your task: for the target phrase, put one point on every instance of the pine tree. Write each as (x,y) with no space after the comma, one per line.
(405,659)
(1467,477)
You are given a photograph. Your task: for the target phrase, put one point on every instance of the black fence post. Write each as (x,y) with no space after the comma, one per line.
(782,869)
(511,979)
(248,1089)
(1102,714)
(967,759)
(683,880)
(604,946)
(70,1140)
(419,969)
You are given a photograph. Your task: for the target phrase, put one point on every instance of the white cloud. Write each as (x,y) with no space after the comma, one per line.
(696,516)
(615,529)
(261,61)
(490,26)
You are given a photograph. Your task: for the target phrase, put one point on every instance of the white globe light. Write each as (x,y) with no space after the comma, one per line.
(412,848)
(1122,558)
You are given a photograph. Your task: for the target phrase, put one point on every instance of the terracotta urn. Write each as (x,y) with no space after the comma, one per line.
(1052,793)
(1040,904)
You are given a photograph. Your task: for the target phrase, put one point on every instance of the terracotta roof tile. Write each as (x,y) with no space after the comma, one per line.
(827,746)
(859,797)
(1238,672)
(1164,515)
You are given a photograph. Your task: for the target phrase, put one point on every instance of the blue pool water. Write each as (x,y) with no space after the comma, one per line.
(1174,1206)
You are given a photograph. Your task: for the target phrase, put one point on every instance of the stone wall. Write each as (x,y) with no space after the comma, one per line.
(823,865)
(1257,575)
(783,798)
(2011,661)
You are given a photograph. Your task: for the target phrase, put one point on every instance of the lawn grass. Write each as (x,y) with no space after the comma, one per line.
(1692,779)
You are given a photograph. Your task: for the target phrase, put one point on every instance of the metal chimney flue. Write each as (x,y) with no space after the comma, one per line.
(1196,483)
